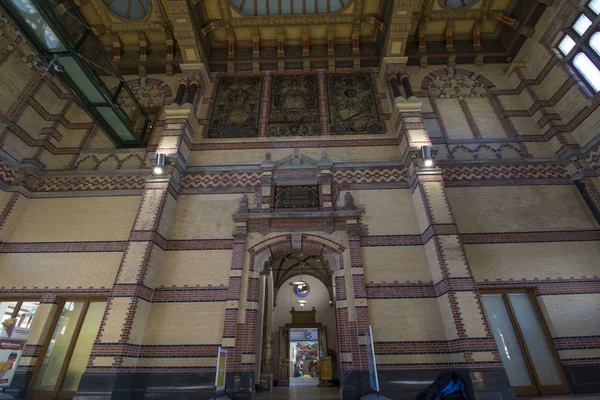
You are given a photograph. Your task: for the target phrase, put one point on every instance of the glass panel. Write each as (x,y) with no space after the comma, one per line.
(595,42)
(59,344)
(38,25)
(588,70)
(506,340)
(595,6)
(116,123)
(6,309)
(566,45)
(26,314)
(582,24)
(81,80)
(535,338)
(83,348)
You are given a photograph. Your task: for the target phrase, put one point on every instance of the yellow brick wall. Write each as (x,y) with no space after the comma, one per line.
(70,219)
(205,216)
(406,319)
(203,323)
(395,264)
(533,260)
(572,315)
(58,270)
(519,208)
(388,212)
(195,268)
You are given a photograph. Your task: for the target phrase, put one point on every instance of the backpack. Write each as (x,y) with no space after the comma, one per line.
(445,387)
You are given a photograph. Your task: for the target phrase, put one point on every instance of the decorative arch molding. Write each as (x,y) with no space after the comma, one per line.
(151,92)
(455,83)
(265,254)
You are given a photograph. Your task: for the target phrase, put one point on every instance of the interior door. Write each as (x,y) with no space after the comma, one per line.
(284,357)
(524,343)
(66,352)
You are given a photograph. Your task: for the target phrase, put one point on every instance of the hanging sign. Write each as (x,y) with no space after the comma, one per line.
(297,196)
(10,354)
(221,370)
(371,360)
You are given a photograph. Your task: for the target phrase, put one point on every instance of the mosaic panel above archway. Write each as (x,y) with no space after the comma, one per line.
(294,106)
(236,108)
(352,107)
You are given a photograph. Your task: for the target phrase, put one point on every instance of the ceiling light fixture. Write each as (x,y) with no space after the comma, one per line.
(427,158)
(160,164)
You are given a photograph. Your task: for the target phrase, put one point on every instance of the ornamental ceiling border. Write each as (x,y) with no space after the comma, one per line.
(130,25)
(464,13)
(304,19)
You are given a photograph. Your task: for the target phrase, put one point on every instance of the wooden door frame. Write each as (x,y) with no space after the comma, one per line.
(542,390)
(57,393)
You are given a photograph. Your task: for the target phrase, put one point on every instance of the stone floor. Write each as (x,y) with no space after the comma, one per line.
(301,389)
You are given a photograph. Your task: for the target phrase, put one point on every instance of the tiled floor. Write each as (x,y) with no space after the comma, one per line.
(301,389)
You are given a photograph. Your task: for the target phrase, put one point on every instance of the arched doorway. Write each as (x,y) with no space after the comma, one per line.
(297,323)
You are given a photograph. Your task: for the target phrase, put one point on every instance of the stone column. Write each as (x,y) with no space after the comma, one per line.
(393,79)
(407,87)
(181,88)
(192,90)
(114,356)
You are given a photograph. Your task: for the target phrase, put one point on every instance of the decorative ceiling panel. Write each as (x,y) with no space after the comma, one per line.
(287,7)
(129,9)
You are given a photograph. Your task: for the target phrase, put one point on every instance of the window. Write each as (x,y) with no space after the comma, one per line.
(579,44)
(22,311)
(524,342)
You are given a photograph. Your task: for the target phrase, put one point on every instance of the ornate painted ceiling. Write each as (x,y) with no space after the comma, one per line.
(285,7)
(146,36)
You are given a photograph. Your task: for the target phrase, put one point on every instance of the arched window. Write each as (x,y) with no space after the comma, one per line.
(580,44)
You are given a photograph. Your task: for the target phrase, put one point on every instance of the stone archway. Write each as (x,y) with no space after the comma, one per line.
(266,255)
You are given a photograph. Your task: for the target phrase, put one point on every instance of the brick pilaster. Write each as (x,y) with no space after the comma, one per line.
(265,104)
(467,329)
(122,329)
(323,110)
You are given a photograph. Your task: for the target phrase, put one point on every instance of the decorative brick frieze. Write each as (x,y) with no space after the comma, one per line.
(63,247)
(51,183)
(547,286)
(577,342)
(190,294)
(55,291)
(530,237)
(400,290)
(94,162)
(220,180)
(200,244)
(391,240)
(505,172)
(375,175)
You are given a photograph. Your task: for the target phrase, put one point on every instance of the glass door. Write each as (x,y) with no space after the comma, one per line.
(524,342)
(66,354)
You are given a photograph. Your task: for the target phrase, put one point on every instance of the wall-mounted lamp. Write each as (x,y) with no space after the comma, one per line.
(427,158)
(159,167)
(302,303)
